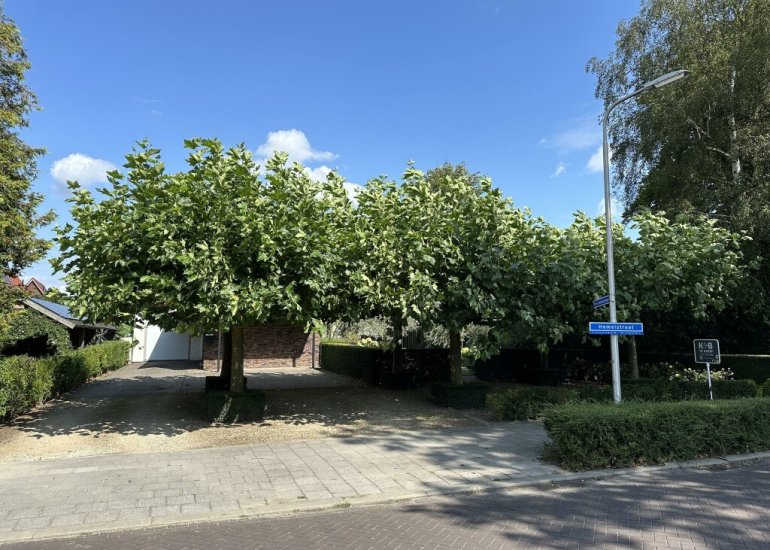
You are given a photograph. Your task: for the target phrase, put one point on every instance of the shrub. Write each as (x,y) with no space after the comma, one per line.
(681,390)
(370,363)
(470,395)
(530,402)
(32,333)
(766,388)
(26,382)
(756,367)
(588,436)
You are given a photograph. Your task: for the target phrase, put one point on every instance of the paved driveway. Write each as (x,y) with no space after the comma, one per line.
(159,407)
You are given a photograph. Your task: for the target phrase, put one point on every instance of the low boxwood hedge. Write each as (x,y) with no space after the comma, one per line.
(26,382)
(587,436)
(470,395)
(529,402)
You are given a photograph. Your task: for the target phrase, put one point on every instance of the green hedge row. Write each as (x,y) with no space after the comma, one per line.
(588,436)
(755,367)
(352,360)
(26,382)
(375,365)
(528,403)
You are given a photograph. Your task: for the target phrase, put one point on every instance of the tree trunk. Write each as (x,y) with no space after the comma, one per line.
(398,332)
(545,359)
(735,160)
(226,363)
(632,358)
(455,357)
(236,370)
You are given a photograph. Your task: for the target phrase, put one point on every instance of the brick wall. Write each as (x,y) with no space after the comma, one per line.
(267,346)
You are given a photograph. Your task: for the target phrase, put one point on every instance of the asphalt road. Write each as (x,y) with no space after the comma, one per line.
(715,507)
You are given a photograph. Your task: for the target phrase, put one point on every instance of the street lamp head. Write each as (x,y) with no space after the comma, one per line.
(665,80)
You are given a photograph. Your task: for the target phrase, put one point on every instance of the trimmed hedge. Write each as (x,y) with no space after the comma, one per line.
(352,360)
(26,382)
(530,402)
(755,367)
(471,395)
(373,364)
(524,365)
(670,390)
(590,436)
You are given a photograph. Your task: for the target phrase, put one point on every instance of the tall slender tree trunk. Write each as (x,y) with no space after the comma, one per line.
(398,332)
(226,363)
(455,357)
(735,160)
(237,384)
(632,357)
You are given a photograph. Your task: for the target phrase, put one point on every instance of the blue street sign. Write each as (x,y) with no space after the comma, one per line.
(601,302)
(621,329)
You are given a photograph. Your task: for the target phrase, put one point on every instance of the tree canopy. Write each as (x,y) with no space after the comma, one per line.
(19,217)
(212,247)
(701,146)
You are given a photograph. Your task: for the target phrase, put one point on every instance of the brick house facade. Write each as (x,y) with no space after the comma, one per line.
(268,346)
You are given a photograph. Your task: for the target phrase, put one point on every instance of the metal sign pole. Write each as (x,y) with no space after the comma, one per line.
(708,375)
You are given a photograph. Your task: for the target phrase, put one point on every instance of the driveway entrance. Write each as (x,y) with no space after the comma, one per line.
(159,406)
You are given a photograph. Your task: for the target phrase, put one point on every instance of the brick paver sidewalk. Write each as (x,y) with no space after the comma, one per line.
(681,508)
(60,496)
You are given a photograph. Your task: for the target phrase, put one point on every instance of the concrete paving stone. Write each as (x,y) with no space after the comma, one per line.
(24,513)
(164,511)
(33,523)
(68,519)
(153,501)
(196,508)
(102,517)
(184,499)
(225,507)
(134,514)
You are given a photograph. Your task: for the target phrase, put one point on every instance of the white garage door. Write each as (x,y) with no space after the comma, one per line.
(156,344)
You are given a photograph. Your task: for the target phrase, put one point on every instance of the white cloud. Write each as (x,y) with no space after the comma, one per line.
(584,133)
(352,189)
(596,162)
(617,211)
(81,168)
(318,174)
(561,167)
(295,143)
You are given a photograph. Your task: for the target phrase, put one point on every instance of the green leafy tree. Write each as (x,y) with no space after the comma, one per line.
(19,218)
(566,275)
(215,247)
(469,240)
(677,266)
(387,259)
(702,146)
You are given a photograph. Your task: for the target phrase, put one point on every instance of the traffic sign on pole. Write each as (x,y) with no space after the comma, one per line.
(620,329)
(601,302)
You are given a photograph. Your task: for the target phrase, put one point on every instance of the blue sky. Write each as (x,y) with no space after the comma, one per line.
(361,87)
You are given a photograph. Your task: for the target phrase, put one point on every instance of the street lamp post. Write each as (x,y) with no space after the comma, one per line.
(659,82)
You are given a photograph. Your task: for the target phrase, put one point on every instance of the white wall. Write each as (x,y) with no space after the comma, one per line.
(156,344)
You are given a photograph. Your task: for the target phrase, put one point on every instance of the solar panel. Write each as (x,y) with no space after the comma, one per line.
(58,309)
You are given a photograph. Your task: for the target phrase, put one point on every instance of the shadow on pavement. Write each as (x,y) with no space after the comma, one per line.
(697,508)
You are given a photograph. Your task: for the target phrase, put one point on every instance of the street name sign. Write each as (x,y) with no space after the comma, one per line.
(706,351)
(601,302)
(621,329)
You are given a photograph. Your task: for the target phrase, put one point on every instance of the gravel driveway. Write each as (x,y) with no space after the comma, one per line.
(154,407)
